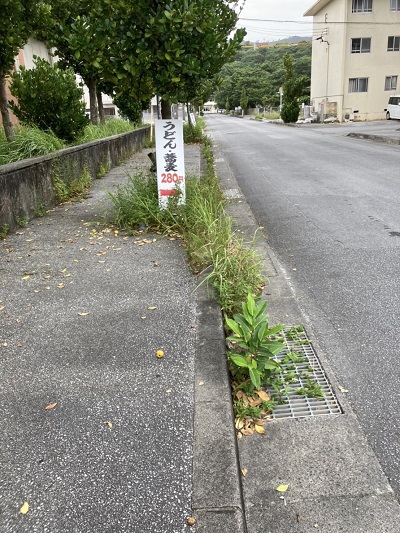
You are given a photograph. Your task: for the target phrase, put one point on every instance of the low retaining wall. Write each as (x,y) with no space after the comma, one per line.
(28,185)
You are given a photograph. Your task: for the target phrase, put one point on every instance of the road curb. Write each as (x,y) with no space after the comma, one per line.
(376,138)
(217,499)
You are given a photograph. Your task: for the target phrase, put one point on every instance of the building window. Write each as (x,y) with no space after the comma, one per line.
(361,45)
(358,85)
(362,6)
(390,83)
(394,5)
(393,44)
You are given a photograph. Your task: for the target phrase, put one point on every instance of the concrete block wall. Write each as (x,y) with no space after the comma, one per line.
(28,184)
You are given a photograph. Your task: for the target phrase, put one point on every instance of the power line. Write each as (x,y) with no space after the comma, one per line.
(323,23)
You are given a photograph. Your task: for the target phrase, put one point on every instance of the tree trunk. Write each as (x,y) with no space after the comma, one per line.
(94,112)
(165,109)
(101,108)
(5,112)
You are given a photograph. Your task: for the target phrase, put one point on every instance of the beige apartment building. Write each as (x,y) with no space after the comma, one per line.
(355,57)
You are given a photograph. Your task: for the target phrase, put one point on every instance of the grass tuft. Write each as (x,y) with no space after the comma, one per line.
(29,142)
(114,126)
(229,265)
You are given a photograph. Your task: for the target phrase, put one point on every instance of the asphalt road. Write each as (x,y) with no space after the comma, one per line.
(330,208)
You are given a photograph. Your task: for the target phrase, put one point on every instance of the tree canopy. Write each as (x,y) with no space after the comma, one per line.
(129,48)
(19,20)
(260,72)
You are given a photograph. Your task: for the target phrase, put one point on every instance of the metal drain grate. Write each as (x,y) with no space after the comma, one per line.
(296,405)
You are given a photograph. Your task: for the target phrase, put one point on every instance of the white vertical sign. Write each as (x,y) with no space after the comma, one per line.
(192,119)
(170,160)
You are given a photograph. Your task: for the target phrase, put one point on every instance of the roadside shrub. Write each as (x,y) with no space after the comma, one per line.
(50,99)
(290,112)
(130,108)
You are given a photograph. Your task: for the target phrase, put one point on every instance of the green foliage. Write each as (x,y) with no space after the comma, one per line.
(50,99)
(113,126)
(4,231)
(244,99)
(171,48)
(209,241)
(194,134)
(41,210)
(254,363)
(104,168)
(18,21)
(292,91)
(68,184)
(260,72)
(28,142)
(136,204)
(290,111)
(311,389)
(21,221)
(130,108)
(268,116)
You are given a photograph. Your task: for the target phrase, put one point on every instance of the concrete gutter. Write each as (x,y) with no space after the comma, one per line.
(335,480)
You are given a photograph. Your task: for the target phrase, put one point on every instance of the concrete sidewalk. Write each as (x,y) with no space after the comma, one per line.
(98,434)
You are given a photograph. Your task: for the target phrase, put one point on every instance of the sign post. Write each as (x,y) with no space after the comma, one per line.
(170,160)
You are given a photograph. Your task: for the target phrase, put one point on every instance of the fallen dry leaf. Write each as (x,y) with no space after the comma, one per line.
(191,521)
(201,383)
(50,406)
(260,430)
(151,308)
(342,389)
(244,472)
(239,423)
(263,395)
(25,277)
(253,402)
(25,508)
(282,488)
(61,285)
(247,431)
(109,424)
(2,307)
(83,314)
(20,344)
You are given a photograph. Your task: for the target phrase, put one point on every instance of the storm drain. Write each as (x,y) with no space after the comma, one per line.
(303,374)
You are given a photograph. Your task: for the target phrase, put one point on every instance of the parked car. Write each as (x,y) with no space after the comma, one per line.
(393,108)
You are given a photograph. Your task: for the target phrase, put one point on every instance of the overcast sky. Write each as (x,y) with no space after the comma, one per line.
(279,11)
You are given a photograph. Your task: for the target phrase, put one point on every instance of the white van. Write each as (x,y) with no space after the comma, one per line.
(393,108)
